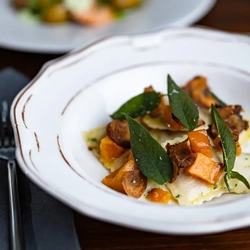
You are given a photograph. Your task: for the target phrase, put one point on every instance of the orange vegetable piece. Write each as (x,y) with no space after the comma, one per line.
(109,150)
(158,110)
(238,148)
(159,195)
(205,168)
(168,117)
(130,156)
(127,179)
(114,179)
(199,142)
(217,143)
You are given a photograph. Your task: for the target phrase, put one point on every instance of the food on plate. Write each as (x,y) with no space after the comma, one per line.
(87,12)
(185,146)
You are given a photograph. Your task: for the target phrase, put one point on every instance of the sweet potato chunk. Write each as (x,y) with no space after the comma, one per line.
(114,179)
(173,124)
(199,142)
(127,179)
(109,150)
(205,168)
(159,195)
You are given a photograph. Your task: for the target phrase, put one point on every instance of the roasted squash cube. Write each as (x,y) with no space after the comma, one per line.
(199,142)
(205,168)
(159,195)
(109,150)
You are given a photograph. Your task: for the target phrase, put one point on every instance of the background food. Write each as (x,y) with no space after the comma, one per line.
(87,12)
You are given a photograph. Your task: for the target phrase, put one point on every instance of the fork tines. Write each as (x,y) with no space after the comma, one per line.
(6,131)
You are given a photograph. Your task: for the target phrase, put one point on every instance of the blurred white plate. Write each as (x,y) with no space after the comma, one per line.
(19,34)
(77,93)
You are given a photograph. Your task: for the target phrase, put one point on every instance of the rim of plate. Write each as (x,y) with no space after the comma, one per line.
(56,47)
(218,223)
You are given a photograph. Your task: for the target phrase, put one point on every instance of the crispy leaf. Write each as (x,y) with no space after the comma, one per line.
(182,105)
(226,182)
(221,103)
(236,175)
(139,105)
(149,155)
(228,148)
(227,140)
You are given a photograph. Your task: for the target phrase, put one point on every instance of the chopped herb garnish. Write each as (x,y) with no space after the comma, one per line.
(182,105)
(139,105)
(150,157)
(119,14)
(215,186)
(177,196)
(92,139)
(228,148)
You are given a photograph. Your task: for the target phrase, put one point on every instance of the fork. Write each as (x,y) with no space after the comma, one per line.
(7,152)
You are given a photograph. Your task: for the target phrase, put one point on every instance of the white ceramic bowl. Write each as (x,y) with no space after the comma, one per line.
(77,92)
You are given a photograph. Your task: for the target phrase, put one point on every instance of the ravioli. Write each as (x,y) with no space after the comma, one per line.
(186,187)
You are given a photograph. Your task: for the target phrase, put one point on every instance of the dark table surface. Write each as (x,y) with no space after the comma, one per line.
(227,15)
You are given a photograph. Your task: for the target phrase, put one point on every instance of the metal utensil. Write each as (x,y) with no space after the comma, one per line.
(7,152)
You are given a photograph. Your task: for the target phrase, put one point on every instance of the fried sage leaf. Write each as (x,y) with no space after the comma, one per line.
(227,140)
(150,157)
(138,106)
(220,102)
(182,105)
(228,148)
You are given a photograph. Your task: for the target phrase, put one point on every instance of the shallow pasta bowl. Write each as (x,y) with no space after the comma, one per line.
(79,91)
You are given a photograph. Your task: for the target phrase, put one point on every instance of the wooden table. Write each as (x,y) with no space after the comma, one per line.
(228,15)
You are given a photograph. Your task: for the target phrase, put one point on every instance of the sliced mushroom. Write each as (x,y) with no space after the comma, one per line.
(127,179)
(118,131)
(134,183)
(199,91)
(233,118)
(181,156)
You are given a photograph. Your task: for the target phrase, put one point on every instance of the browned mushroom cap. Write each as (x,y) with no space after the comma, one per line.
(199,91)
(18,4)
(118,131)
(181,156)
(134,183)
(232,117)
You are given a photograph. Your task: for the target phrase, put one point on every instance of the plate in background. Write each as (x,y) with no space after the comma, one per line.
(153,15)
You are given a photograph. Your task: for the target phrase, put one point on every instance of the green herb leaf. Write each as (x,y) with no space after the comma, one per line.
(150,157)
(236,175)
(182,105)
(139,105)
(227,140)
(221,103)
(226,182)
(228,148)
